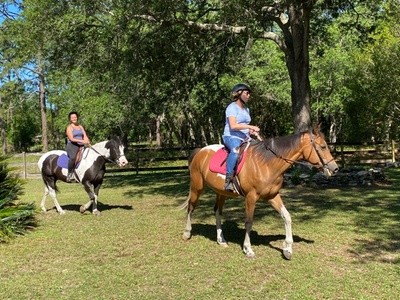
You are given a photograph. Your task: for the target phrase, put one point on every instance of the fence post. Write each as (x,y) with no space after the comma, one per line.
(342,155)
(137,161)
(393,151)
(24,162)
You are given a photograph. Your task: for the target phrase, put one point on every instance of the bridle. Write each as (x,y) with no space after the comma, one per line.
(314,145)
(321,160)
(119,155)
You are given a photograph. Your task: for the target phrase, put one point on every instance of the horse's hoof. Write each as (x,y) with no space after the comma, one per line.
(82,209)
(223,243)
(61,212)
(44,209)
(287,254)
(249,253)
(186,236)
(96,212)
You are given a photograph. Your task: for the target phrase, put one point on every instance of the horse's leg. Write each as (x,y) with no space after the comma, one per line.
(50,189)
(43,203)
(93,199)
(278,205)
(196,188)
(219,204)
(251,199)
(95,211)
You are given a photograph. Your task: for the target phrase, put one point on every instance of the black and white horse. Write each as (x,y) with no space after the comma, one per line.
(90,170)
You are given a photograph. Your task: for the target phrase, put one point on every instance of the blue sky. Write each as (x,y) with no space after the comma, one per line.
(11,8)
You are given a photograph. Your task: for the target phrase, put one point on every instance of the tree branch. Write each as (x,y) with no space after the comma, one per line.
(220,28)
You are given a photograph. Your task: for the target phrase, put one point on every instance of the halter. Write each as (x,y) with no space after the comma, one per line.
(290,161)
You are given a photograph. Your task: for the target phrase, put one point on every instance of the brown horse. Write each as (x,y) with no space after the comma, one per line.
(261,177)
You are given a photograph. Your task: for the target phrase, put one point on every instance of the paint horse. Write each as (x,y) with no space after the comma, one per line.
(260,177)
(89,171)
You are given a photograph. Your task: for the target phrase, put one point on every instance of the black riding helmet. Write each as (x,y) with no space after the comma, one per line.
(240,87)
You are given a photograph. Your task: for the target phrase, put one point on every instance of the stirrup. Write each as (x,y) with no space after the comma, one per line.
(70,178)
(229,186)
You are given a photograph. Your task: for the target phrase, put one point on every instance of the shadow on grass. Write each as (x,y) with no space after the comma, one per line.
(235,235)
(101,206)
(371,211)
(171,184)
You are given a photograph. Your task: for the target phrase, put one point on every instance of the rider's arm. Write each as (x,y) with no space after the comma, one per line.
(234,125)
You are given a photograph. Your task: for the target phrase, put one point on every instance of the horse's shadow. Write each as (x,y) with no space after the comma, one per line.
(101,206)
(234,234)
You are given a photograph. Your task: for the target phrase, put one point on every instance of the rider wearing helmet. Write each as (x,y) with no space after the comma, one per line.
(237,128)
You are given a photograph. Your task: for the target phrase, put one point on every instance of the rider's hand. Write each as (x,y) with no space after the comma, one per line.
(254,129)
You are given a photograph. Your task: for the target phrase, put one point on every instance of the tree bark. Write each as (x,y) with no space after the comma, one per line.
(42,104)
(297,62)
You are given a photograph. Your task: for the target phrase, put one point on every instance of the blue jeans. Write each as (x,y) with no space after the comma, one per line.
(232,144)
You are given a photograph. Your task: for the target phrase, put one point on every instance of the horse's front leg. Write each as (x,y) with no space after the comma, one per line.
(96,186)
(251,199)
(278,205)
(219,204)
(89,188)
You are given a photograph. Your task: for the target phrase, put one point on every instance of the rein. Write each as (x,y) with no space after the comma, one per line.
(290,161)
(105,158)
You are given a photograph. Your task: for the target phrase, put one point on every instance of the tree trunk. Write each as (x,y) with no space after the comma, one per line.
(297,61)
(3,136)
(42,103)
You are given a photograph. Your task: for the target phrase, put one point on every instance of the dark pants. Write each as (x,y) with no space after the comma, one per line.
(72,151)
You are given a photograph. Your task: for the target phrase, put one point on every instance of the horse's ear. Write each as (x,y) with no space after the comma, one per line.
(317,128)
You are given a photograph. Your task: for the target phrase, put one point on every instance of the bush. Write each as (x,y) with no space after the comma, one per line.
(14,218)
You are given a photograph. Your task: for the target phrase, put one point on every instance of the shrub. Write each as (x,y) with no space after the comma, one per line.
(15,218)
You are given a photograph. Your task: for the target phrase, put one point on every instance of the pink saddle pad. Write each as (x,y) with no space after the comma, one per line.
(218,161)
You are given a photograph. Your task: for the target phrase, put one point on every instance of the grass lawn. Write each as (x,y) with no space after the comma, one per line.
(347,245)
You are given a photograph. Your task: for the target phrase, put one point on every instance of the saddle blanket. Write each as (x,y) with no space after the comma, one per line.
(218,161)
(62,161)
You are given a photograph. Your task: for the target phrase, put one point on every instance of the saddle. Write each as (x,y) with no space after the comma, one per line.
(218,160)
(63,159)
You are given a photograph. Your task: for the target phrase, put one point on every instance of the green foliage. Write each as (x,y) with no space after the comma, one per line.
(124,74)
(345,245)
(15,218)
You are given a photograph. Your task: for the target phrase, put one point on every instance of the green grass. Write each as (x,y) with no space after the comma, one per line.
(346,246)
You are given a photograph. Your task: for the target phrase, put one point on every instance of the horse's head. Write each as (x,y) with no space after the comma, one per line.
(116,148)
(317,152)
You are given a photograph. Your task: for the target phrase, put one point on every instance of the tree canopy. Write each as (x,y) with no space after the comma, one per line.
(161,71)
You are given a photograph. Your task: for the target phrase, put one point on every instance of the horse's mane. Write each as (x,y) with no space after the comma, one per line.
(276,146)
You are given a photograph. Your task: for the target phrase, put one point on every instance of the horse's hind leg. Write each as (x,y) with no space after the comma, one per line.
(50,189)
(52,194)
(219,204)
(43,203)
(196,188)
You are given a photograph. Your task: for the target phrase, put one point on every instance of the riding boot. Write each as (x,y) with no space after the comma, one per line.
(228,183)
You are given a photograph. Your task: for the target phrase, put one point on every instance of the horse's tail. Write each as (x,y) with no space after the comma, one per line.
(184,205)
(190,159)
(192,155)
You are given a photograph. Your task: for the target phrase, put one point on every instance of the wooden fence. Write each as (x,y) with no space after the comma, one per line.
(153,159)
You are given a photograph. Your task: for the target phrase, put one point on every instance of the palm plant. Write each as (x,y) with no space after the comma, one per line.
(15,218)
